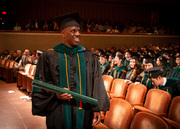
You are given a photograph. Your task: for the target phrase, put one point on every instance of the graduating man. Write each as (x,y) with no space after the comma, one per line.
(163,83)
(71,66)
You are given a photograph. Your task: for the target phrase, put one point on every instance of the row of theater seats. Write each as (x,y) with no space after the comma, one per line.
(130,105)
(6,69)
(25,78)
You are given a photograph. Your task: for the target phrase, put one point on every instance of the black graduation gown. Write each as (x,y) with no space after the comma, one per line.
(45,103)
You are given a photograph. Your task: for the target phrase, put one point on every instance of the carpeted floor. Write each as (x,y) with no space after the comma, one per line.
(15,109)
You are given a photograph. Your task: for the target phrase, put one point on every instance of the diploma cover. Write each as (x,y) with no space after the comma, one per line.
(56,89)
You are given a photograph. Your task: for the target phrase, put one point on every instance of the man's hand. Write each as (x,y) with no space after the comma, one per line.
(96,118)
(64,96)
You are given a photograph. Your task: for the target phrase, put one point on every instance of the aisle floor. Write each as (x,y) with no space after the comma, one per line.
(15,109)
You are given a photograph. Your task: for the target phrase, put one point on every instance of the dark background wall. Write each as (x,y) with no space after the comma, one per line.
(115,11)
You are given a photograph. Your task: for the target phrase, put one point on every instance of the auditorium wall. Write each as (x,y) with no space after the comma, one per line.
(43,41)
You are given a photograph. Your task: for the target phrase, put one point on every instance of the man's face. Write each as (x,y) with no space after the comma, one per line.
(178,61)
(27,52)
(127,55)
(102,60)
(117,60)
(71,36)
(148,65)
(156,81)
(158,62)
(18,53)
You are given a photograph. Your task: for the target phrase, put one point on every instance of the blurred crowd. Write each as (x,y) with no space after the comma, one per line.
(95,26)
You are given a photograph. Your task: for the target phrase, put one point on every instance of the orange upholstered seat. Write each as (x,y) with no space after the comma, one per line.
(119,115)
(4,65)
(157,101)
(30,79)
(136,94)
(107,82)
(145,120)
(20,73)
(8,72)
(118,89)
(25,76)
(174,113)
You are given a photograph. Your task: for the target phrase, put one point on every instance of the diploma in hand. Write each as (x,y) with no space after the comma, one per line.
(55,89)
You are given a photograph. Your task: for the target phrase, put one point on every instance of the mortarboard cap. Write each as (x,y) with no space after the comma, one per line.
(155,72)
(68,20)
(162,59)
(106,56)
(149,60)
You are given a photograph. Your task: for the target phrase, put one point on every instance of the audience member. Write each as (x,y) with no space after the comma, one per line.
(17,27)
(119,71)
(104,63)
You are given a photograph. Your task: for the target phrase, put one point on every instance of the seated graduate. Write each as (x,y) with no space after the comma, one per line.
(175,72)
(148,62)
(104,63)
(135,70)
(162,62)
(119,71)
(169,58)
(127,56)
(163,83)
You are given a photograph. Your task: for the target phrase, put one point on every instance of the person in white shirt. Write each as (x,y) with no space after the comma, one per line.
(17,27)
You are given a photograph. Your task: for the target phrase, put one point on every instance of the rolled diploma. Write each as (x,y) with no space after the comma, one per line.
(56,89)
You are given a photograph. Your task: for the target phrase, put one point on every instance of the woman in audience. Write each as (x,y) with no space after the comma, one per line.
(162,62)
(135,70)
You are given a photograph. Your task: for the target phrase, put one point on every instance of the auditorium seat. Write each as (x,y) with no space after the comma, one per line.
(119,115)
(3,67)
(24,77)
(136,94)
(9,72)
(118,89)
(20,73)
(157,102)
(146,120)
(30,79)
(107,82)
(174,113)
(2,62)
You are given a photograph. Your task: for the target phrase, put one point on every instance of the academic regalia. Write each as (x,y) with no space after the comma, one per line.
(175,73)
(127,63)
(176,89)
(104,68)
(119,72)
(129,73)
(166,71)
(168,86)
(145,80)
(51,68)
